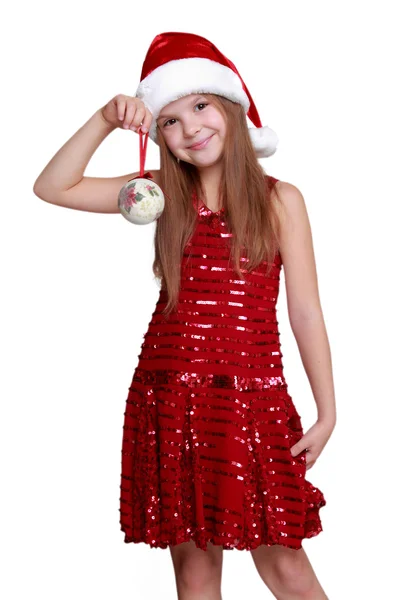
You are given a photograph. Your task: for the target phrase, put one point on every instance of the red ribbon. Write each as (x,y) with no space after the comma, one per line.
(142,152)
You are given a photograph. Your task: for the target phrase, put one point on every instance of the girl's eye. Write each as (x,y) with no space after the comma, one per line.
(169,120)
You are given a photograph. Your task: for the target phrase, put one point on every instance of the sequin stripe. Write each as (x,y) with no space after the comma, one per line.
(221,266)
(232,297)
(213,229)
(203,243)
(223,275)
(208,329)
(187,299)
(156,335)
(217,253)
(171,350)
(222,345)
(203,253)
(207,257)
(207,287)
(183,330)
(225,289)
(158,322)
(227,295)
(219,244)
(206,319)
(213,313)
(208,221)
(191,378)
(208,265)
(159,326)
(182,311)
(225,284)
(206,226)
(173,354)
(216,298)
(204,326)
(175,395)
(198,247)
(205,342)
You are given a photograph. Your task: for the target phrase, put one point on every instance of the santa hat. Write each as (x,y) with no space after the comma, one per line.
(178,64)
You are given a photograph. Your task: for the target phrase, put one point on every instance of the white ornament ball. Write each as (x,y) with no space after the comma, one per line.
(141,201)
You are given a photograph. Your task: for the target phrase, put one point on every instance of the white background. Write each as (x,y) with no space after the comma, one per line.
(78,290)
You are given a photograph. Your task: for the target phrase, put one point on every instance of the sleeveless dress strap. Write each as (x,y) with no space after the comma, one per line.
(272,180)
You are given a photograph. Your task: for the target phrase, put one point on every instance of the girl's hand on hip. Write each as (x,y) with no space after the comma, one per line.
(127,112)
(313,441)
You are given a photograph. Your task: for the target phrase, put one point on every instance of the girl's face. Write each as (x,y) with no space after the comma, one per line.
(193,129)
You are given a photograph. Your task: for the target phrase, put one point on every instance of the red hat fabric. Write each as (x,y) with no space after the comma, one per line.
(178,64)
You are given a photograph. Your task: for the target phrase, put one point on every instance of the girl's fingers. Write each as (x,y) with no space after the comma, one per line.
(147,121)
(297,448)
(133,113)
(130,114)
(139,116)
(121,106)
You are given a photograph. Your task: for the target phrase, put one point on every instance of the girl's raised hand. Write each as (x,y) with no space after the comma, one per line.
(127,112)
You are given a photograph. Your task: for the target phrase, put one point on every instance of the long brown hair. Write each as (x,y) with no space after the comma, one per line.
(245,193)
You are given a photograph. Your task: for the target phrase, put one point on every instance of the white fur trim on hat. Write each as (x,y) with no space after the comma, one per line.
(178,78)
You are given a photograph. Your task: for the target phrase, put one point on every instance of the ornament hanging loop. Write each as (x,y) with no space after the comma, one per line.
(143,151)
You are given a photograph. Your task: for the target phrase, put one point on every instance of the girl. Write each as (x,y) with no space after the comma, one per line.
(213,452)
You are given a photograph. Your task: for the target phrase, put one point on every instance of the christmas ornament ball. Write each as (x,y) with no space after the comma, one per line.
(141,201)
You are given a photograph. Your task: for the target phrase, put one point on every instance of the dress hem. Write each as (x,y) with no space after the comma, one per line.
(201,540)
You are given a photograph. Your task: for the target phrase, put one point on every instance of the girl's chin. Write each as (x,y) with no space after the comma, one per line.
(205,159)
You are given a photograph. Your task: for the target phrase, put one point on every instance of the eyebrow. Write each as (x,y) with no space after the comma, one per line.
(169,116)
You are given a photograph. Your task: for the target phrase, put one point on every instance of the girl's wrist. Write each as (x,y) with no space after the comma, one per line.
(109,127)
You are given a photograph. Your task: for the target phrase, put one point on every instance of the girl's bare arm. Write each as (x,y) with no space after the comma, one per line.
(304,307)
(62,181)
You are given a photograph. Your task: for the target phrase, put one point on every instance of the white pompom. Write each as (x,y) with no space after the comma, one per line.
(264,140)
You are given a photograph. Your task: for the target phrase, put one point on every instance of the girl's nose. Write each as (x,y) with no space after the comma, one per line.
(190,129)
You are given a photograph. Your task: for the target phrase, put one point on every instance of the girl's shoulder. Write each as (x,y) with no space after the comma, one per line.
(289,201)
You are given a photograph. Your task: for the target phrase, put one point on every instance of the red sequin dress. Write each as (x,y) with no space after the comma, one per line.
(209,422)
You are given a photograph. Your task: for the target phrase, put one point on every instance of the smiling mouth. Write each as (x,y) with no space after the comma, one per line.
(201,144)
